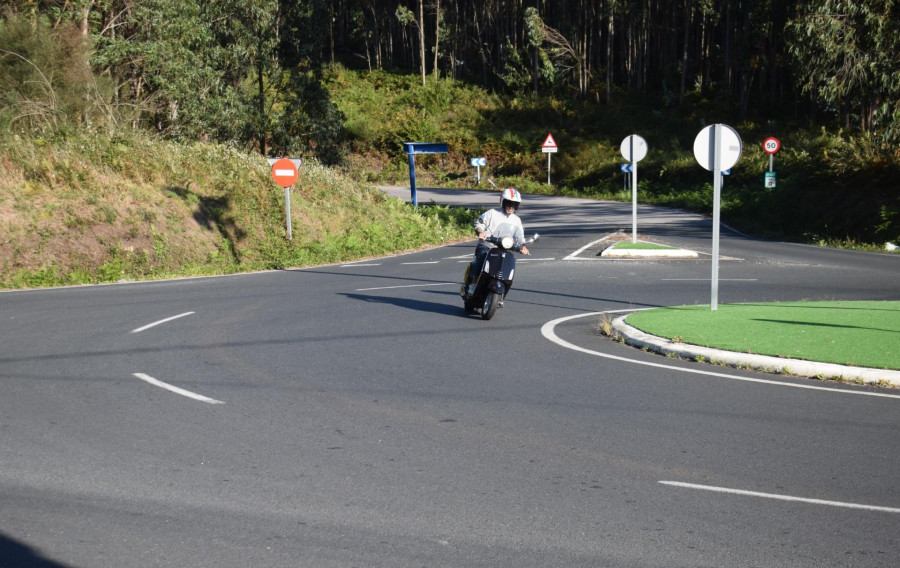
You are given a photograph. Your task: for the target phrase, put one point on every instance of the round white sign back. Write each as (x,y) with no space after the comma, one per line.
(721,137)
(638,144)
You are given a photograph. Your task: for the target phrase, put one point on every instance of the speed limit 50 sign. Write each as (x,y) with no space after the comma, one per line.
(771,145)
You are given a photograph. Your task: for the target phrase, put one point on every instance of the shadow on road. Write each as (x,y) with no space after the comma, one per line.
(408,303)
(14,554)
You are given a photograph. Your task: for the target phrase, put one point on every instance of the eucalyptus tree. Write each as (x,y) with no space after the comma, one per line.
(847,56)
(407,17)
(245,72)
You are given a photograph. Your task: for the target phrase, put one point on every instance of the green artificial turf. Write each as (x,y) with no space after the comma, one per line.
(639,246)
(863,334)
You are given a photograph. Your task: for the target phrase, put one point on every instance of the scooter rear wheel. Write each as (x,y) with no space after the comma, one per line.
(491,303)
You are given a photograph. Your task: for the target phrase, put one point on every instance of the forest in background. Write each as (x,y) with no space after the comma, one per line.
(266,77)
(246,71)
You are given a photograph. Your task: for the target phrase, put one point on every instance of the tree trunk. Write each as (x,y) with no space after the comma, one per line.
(331,31)
(422,39)
(437,36)
(609,55)
(263,146)
(688,19)
(85,24)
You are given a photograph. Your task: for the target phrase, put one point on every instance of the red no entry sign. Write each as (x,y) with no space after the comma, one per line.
(284,172)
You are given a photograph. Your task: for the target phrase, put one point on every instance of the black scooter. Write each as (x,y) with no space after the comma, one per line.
(495,277)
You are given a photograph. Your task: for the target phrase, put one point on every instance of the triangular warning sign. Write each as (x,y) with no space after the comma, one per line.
(549,142)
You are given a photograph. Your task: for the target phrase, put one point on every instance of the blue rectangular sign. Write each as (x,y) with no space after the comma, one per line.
(413,148)
(424,148)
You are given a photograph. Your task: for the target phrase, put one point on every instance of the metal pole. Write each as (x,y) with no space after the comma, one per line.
(717,194)
(287,211)
(548,167)
(771,162)
(634,170)
(412,179)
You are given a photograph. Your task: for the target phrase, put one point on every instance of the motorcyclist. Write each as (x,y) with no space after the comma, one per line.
(488,223)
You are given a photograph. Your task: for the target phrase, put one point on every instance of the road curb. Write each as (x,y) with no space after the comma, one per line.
(648,253)
(637,338)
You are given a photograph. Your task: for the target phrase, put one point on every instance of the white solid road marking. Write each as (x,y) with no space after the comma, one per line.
(149,325)
(360,264)
(176,390)
(427,262)
(708,279)
(408,286)
(548,331)
(574,255)
(781,497)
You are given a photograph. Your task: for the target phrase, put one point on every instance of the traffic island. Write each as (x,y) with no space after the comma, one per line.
(619,245)
(642,249)
(846,341)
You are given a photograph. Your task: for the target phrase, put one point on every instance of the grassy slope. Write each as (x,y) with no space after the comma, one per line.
(89,208)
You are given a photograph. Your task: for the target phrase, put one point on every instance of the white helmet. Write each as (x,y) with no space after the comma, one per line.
(511,196)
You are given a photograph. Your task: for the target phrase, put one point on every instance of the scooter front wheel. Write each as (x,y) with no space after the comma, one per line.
(491,303)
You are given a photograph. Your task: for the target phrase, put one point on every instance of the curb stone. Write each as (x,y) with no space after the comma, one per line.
(779,365)
(648,253)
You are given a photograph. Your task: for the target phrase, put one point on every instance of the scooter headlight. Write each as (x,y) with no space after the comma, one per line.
(507,242)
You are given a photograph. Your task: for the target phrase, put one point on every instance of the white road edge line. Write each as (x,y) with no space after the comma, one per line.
(149,325)
(176,390)
(407,286)
(781,497)
(359,264)
(424,262)
(574,255)
(548,331)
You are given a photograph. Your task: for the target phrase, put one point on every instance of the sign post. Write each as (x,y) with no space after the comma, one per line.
(771,146)
(625,169)
(549,147)
(477,163)
(413,148)
(634,149)
(717,148)
(285,172)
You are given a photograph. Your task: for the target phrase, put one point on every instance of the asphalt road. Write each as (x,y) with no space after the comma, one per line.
(354,415)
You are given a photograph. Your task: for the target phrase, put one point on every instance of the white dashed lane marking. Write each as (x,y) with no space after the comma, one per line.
(156,323)
(176,390)
(781,497)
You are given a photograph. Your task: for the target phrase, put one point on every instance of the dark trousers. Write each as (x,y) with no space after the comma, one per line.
(480,252)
